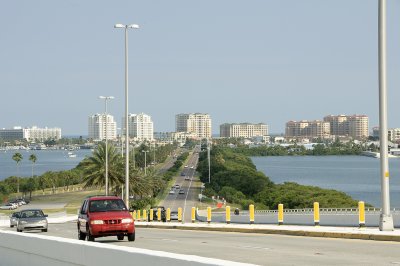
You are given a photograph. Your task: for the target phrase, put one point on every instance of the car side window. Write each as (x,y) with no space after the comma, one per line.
(84,207)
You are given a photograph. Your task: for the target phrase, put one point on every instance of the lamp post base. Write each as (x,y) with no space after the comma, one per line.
(386,222)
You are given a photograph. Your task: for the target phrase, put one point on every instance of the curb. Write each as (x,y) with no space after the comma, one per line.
(295,232)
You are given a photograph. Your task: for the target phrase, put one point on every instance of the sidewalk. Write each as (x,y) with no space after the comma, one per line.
(370,233)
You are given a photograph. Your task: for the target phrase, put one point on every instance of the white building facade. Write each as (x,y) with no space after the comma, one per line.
(194,123)
(30,134)
(99,130)
(141,127)
(243,130)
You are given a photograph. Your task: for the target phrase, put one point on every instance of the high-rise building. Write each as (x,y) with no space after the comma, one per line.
(393,133)
(355,126)
(307,129)
(140,127)
(196,123)
(97,127)
(33,133)
(243,130)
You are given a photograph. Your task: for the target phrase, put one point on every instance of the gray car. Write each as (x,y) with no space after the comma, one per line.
(33,219)
(14,219)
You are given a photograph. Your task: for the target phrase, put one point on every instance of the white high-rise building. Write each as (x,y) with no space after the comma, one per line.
(198,124)
(140,127)
(355,126)
(97,127)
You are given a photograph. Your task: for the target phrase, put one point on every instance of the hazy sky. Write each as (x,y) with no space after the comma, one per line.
(240,61)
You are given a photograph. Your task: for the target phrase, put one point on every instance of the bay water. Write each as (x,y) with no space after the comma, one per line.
(47,160)
(357,176)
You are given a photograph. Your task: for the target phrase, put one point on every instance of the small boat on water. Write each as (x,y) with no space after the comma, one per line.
(71,154)
(376,154)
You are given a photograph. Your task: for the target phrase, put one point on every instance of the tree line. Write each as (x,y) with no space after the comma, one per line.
(235,178)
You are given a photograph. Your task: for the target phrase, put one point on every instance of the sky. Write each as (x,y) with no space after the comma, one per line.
(258,61)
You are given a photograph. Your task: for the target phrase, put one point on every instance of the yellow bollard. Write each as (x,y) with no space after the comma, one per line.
(280,214)
(193,214)
(134,215)
(208,214)
(361,213)
(179,214)
(151,214)
(316,213)
(159,214)
(138,215)
(168,215)
(228,214)
(251,212)
(145,215)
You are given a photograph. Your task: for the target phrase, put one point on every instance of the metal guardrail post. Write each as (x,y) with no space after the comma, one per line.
(134,215)
(145,215)
(228,214)
(151,214)
(138,215)
(280,214)
(159,214)
(316,213)
(361,213)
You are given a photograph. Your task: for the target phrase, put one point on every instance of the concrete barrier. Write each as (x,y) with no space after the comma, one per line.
(32,249)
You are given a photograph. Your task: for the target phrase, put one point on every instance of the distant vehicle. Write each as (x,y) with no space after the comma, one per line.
(191,167)
(32,219)
(177,186)
(174,215)
(187,178)
(105,216)
(181,191)
(8,206)
(14,219)
(171,192)
(186,166)
(183,174)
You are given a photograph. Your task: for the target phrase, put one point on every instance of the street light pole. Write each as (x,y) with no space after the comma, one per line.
(386,219)
(106,98)
(145,166)
(209,165)
(126,27)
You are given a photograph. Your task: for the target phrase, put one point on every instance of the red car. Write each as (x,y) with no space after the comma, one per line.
(105,216)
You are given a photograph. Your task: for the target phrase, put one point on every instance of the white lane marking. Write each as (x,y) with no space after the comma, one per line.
(254,247)
(168,239)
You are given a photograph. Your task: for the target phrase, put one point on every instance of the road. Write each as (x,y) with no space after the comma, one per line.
(253,248)
(190,187)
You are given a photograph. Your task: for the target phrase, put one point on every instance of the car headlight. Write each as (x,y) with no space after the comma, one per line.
(97,222)
(23,222)
(127,221)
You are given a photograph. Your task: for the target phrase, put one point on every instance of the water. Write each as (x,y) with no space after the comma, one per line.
(358,176)
(47,160)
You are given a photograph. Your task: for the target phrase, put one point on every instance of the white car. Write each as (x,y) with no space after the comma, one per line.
(171,192)
(8,206)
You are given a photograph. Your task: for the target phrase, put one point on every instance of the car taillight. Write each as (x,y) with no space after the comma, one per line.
(127,221)
(97,222)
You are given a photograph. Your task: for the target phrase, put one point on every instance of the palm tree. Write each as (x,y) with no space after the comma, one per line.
(17,157)
(94,168)
(33,159)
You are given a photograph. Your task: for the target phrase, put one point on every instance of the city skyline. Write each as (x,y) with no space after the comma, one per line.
(265,62)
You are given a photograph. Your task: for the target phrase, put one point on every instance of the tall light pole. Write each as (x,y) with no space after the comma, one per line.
(126,27)
(209,164)
(145,159)
(106,98)
(386,219)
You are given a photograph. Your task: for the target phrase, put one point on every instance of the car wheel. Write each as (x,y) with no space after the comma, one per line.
(81,236)
(18,230)
(131,237)
(89,236)
(120,237)
(44,230)
(11,226)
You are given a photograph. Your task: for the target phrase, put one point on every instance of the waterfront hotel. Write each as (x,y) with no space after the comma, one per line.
(243,130)
(30,134)
(195,123)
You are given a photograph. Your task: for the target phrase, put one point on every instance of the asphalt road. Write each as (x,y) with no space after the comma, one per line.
(253,248)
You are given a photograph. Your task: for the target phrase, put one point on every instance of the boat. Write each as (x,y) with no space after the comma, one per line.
(71,154)
(376,154)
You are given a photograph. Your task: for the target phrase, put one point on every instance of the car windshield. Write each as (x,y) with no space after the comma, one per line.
(107,205)
(31,214)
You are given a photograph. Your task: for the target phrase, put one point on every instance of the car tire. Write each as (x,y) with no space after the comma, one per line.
(120,237)
(89,236)
(18,230)
(81,236)
(44,230)
(131,237)
(11,226)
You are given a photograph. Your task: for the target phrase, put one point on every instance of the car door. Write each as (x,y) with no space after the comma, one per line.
(83,216)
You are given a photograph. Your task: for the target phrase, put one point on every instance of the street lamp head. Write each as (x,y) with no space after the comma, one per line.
(119,26)
(133,26)
(106,97)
